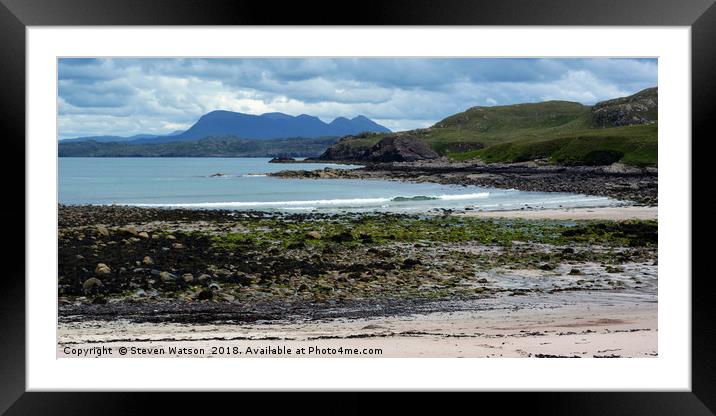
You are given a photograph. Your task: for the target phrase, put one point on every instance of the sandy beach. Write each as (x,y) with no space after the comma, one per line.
(571,325)
(629,212)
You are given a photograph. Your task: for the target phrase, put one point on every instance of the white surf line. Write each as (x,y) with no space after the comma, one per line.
(316,202)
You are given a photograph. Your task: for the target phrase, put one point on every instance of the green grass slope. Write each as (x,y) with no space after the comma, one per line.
(562,132)
(632,145)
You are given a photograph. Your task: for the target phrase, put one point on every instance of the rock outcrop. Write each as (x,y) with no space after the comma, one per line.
(282,159)
(640,108)
(400,148)
(392,148)
(346,149)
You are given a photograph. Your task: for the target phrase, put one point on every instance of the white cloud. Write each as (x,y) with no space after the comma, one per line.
(131,96)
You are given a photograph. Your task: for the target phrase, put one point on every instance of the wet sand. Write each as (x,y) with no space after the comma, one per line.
(585,325)
(599,213)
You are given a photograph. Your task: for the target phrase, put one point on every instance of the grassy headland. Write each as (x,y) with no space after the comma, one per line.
(621,130)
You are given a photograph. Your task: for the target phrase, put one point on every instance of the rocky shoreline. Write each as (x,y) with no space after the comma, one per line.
(181,265)
(638,185)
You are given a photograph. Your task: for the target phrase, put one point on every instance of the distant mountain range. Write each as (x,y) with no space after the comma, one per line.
(106,139)
(206,147)
(267,126)
(623,130)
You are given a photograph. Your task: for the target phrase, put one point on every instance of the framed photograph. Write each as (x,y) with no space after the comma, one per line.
(487,197)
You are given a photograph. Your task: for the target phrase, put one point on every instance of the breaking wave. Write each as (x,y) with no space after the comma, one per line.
(353,202)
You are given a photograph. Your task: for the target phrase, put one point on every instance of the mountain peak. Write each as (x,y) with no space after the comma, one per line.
(273,125)
(276,115)
(219,112)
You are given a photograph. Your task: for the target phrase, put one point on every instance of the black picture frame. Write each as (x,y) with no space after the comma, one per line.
(16,15)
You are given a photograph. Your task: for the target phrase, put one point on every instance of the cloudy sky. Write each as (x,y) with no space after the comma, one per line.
(131,96)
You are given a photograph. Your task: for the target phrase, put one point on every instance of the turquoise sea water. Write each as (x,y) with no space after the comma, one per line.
(187,182)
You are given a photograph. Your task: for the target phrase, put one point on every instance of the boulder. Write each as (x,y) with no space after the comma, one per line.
(342,237)
(223,273)
(130,229)
(205,294)
(92,285)
(167,277)
(313,235)
(102,269)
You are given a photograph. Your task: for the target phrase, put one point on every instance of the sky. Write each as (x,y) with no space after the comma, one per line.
(127,96)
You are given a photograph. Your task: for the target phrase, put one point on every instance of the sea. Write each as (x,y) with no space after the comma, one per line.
(244,185)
